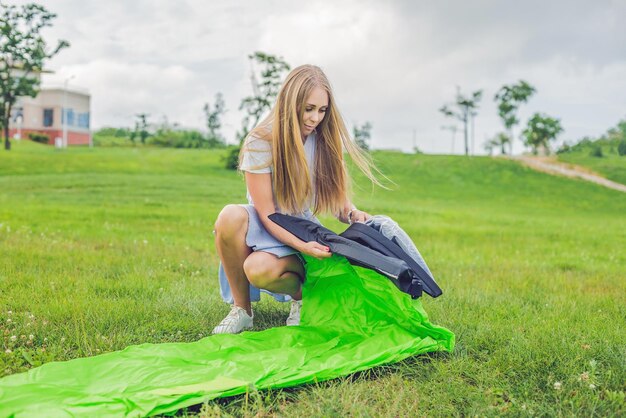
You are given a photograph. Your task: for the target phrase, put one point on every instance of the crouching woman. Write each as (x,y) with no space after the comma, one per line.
(293,163)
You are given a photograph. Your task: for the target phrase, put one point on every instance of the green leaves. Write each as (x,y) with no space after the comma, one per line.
(213,122)
(264,90)
(362,135)
(23,52)
(508,99)
(540,131)
(501,140)
(467,106)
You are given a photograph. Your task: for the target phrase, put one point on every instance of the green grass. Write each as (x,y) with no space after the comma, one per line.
(611,165)
(104,248)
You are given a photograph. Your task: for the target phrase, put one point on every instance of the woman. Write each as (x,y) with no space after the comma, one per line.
(293,163)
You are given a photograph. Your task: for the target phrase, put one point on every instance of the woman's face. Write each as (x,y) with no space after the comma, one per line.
(315,108)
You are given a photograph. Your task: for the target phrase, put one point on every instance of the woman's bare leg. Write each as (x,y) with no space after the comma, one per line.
(278,275)
(231,227)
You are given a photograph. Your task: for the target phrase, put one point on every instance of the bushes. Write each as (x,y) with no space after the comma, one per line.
(114,132)
(596,151)
(613,140)
(168,138)
(564,148)
(100,140)
(232,158)
(182,139)
(598,148)
(621,148)
(40,138)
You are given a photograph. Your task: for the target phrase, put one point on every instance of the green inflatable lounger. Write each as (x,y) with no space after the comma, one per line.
(353,318)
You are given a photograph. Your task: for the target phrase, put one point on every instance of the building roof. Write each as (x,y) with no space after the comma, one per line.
(69,89)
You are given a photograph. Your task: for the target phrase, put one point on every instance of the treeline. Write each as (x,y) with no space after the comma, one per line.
(171,137)
(612,142)
(540,131)
(165,134)
(23,54)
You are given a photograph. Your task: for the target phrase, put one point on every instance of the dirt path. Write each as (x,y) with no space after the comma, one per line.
(551,166)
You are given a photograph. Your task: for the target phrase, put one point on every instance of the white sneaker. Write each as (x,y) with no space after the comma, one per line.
(294,314)
(236,321)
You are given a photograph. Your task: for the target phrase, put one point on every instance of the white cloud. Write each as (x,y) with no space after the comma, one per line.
(392,63)
(120,90)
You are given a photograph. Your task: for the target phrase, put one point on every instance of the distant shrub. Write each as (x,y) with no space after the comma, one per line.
(596,151)
(563,149)
(40,138)
(610,142)
(114,132)
(100,140)
(232,158)
(183,139)
(163,137)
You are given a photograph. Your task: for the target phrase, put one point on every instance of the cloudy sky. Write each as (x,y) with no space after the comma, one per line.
(393,63)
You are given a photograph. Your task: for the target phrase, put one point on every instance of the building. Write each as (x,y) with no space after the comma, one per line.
(59,113)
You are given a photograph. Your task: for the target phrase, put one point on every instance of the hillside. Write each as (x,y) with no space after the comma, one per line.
(105,248)
(600,155)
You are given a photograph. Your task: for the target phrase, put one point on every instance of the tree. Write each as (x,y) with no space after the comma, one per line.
(596,151)
(509,98)
(540,131)
(23,52)
(466,111)
(362,135)
(264,90)
(489,146)
(264,94)
(500,140)
(141,128)
(621,148)
(213,122)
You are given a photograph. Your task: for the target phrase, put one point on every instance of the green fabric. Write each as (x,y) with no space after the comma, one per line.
(352,319)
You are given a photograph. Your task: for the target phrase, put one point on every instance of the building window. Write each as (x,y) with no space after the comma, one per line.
(83,120)
(48,117)
(67,117)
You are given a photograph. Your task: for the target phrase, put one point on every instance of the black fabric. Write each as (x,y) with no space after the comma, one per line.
(368,249)
(372,238)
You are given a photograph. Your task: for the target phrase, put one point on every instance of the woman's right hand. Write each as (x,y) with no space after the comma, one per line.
(315,249)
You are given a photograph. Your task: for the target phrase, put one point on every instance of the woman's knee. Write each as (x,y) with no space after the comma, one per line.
(265,270)
(261,269)
(231,220)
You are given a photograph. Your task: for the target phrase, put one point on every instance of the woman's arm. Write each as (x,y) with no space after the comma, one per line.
(260,188)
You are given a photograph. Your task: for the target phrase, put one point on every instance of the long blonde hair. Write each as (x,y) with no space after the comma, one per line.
(291,177)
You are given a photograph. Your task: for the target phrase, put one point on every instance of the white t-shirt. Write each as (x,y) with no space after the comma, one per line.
(258,153)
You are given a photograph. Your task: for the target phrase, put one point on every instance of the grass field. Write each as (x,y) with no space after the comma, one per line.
(104,248)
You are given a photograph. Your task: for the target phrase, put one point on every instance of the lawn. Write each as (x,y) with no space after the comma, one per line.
(110,247)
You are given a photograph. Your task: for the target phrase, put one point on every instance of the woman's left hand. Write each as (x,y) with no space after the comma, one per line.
(359,216)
